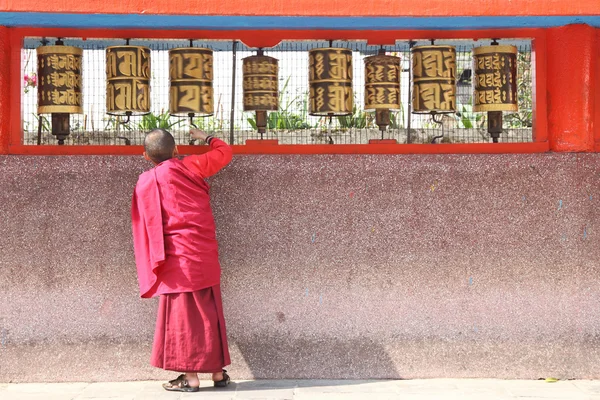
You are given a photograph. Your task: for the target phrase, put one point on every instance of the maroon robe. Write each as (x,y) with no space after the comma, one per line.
(177,258)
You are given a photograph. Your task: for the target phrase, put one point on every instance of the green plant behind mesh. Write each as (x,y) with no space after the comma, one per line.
(468,119)
(160,121)
(359,119)
(292,112)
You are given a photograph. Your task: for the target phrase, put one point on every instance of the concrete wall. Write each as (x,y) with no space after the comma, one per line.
(333,267)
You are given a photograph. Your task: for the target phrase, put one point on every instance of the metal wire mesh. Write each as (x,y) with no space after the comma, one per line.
(291,124)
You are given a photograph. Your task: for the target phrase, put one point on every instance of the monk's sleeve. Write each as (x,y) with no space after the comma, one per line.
(211,162)
(148,239)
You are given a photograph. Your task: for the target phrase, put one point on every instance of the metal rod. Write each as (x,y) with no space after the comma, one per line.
(440,123)
(127,140)
(193,125)
(39,137)
(191,117)
(232,117)
(128,115)
(410,71)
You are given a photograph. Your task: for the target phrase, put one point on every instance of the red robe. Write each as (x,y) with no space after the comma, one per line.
(177,258)
(173,226)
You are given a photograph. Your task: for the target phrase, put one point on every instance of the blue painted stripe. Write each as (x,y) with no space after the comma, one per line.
(50,20)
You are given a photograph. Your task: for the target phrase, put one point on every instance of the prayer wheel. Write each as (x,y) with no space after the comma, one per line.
(434,79)
(261,87)
(191,82)
(128,80)
(382,87)
(60,85)
(330,81)
(495,84)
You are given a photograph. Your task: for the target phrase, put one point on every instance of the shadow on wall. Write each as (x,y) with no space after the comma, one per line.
(300,358)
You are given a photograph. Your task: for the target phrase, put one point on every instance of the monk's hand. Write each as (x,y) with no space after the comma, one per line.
(198,134)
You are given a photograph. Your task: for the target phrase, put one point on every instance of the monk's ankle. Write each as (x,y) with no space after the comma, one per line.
(192,379)
(217,376)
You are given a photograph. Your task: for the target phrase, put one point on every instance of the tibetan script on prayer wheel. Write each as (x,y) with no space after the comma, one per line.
(60,80)
(382,82)
(128,80)
(330,81)
(495,78)
(191,77)
(434,79)
(261,83)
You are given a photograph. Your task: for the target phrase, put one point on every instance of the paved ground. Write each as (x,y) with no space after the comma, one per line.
(426,389)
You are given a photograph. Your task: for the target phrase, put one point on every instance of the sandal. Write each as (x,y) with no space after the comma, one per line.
(180,385)
(223,382)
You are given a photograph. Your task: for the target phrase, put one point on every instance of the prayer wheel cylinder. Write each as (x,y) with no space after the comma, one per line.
(60,87)
(382,82)
(128,80)
(495,78)
(60,80)
(330,81)
(261,83)
(191,81)
(433,79)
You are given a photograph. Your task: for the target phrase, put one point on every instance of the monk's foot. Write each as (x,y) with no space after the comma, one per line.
(182,384)
(221,379)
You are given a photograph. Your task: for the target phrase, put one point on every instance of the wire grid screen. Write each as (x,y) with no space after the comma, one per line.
(291,124)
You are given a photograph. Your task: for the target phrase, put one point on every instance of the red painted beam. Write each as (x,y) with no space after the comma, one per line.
(270,148)
(390,8)
(597,91)
(571,87)
(5,84)
(269,38)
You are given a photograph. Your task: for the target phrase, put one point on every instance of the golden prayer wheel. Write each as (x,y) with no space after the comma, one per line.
(128,80)
(434,79)
(261,83)
(191,82)
(60,85)
(495,84)
(382,82)
(330,81)
(382,87)
(60,80)
(261,87)
(495,81)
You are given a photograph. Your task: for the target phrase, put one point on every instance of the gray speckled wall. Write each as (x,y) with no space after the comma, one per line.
(346,266)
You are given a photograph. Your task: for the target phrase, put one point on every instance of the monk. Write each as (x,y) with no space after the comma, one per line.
(177,259)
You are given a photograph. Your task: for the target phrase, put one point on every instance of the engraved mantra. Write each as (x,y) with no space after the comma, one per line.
(191,66)
(133,94)
(494,79)
(60,80)
(191,98)
(434,64)
(133,63)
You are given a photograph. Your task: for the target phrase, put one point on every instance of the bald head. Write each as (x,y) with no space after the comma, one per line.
(159,145)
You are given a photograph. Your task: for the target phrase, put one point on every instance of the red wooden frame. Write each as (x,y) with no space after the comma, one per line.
(597,98)
(269,38)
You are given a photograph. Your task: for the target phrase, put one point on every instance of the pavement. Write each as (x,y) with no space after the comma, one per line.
(418,389)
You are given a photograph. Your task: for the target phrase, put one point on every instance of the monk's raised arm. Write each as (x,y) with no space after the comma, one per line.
(212,161)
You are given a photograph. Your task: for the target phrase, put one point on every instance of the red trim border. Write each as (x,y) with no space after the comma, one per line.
(452,148)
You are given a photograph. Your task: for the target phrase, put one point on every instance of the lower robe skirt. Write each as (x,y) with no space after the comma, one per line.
(190,332)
